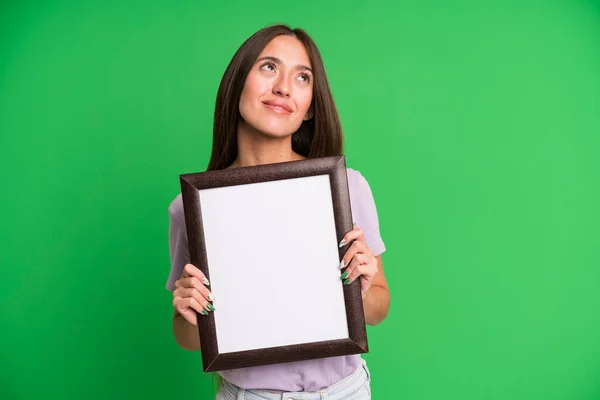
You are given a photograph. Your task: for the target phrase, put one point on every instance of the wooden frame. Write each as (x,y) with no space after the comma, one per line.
(196,189)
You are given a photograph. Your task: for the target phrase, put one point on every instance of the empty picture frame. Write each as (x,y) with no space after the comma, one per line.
(266,237)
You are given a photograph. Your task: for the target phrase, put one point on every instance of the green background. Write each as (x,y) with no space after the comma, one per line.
(477,125)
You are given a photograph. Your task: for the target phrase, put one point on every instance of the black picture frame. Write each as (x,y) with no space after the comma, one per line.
(335,168)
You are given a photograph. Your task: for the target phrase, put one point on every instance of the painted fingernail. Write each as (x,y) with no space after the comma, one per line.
(347,281)
(343,243)
(210,307)
(343,264)
(204,312)
(211,297)
(205,281)
(345,275)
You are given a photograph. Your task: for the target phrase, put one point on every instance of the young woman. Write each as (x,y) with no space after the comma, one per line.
(274,105)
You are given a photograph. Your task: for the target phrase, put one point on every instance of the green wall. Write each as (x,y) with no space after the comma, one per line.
(476,123)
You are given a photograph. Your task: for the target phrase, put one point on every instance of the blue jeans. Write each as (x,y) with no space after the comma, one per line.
(355,387)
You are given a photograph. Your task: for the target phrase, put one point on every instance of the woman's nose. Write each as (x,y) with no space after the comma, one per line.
(281,87)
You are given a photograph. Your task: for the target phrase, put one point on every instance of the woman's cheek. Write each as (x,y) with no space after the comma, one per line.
(306,104)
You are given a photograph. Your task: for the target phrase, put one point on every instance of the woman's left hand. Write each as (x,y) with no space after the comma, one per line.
(359,259)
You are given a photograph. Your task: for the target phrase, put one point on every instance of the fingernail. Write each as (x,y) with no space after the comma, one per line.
(345,275)
(204,312)
(347,281)
(343,243)
(205,281)
(210,307)
(343,264)
(211,297)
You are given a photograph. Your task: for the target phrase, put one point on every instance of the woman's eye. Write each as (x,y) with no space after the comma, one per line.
(305,78)
(268,67)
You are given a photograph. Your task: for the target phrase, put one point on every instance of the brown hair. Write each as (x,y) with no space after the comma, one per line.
(320,136)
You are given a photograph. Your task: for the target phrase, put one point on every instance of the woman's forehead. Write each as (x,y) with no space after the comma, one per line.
(288,49)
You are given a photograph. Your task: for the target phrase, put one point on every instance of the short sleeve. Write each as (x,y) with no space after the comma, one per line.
(364,212)
(178,244)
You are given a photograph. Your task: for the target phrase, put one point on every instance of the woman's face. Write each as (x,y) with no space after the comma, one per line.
(278,90)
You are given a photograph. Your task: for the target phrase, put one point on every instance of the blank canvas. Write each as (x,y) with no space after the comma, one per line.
(264,242)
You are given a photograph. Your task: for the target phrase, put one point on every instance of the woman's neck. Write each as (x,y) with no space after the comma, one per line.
(255,148)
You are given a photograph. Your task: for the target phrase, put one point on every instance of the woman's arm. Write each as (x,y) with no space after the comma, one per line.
(186,334)
(376,302)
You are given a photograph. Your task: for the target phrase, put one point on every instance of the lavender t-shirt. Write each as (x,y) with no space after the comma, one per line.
(311,375)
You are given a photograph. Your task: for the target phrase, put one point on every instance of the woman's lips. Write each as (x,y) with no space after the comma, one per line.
(277,109)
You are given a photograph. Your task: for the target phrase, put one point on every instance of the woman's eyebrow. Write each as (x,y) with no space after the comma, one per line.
(278,61)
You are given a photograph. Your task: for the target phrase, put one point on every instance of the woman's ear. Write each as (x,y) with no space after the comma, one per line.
(309,114)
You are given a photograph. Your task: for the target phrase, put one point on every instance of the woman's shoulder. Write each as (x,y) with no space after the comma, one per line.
(357,183)
(364,210)
(353,173)
(176,208)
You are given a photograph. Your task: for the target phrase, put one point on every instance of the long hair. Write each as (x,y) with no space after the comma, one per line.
(320,136)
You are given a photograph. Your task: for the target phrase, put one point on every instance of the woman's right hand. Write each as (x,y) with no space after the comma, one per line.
(191,295)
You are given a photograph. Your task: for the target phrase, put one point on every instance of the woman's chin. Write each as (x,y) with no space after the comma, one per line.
(276,133)
(272,129)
